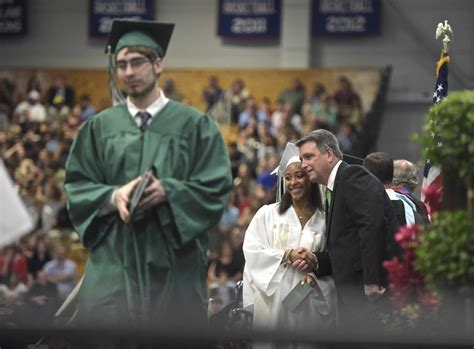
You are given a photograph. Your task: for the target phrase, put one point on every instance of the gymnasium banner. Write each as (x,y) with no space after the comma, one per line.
(249,18)
(346,17)
(13,19)
(103,12)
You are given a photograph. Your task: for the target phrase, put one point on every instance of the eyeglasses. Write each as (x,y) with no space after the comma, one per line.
(135,64)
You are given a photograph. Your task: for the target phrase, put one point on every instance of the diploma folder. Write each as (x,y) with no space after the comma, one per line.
(297,295)
(137,193)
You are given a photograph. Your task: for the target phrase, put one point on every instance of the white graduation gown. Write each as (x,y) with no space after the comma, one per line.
(267,282)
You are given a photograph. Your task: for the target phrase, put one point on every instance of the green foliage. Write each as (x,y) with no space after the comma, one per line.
(448,137)
(445,256)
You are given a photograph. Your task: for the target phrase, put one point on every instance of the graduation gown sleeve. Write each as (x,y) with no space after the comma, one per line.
(84,184)
(197,201)
(262,260)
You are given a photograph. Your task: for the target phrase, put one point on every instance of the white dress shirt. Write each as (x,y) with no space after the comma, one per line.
(152,109)
(332,176)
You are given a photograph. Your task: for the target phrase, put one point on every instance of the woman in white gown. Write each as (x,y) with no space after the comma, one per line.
(270,246)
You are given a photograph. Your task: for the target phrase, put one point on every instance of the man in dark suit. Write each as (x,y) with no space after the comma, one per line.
(60,93)
(357,223)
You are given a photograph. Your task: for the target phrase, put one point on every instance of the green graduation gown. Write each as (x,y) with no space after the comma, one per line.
(155,268)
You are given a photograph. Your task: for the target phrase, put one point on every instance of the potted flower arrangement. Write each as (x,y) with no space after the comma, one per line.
(435,275)
(448,142)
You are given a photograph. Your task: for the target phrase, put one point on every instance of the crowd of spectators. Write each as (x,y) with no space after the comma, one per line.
(294,113)
(36,131)
(37,128)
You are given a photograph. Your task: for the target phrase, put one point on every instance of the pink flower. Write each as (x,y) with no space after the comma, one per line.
(399,282)
(429,301)
(404,281)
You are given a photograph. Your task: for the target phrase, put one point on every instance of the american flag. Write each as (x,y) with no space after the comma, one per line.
(432,174)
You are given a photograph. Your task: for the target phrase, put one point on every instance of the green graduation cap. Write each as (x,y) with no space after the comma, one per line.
(143,33)
(126,33)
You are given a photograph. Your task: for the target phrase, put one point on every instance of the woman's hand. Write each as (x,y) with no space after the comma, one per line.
(309,279)
(303,259)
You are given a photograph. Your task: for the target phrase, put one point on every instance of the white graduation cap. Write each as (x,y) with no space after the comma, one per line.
(290,155)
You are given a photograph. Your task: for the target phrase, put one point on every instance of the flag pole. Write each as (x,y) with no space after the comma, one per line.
(444,30)
(432,178)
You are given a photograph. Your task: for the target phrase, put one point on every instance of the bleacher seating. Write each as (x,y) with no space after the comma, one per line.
(191,82)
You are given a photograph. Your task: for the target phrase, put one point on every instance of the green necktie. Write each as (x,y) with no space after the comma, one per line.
(328,197)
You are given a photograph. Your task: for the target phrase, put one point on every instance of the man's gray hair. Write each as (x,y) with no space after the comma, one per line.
(324,140)
(405,174)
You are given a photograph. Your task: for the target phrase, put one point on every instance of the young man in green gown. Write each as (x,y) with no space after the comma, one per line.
(149,269)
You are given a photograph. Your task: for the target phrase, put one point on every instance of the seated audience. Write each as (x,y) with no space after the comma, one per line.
(31,110)
(251,112)
(171,92)
(348,103)
(62,272)
(237,96)
(39,258)
(294,96)
(223,273)
(236,158)
(87,109)
(13,262)
(347,137)
(60,93)
(212,93)
(42,302)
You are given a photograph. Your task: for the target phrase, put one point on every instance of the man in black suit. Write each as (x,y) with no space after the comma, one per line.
(60,93)
(357,223)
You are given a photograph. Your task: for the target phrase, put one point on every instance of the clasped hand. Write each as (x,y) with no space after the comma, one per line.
(153,195)
(303,259)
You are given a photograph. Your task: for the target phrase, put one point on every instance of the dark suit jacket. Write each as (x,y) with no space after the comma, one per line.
(400,211)
(360,228)
(69,96)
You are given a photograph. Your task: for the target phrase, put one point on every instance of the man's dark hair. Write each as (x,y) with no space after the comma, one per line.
(380,165)
(148,52)
(324,140)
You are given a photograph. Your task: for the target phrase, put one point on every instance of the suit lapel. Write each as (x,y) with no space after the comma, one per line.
(334,198)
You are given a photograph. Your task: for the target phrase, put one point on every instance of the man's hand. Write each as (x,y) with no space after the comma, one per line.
(303,259)
(122,196)
(154,194)
(373,292)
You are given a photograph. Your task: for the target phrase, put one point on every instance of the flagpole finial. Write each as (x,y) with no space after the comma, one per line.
(446,31)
